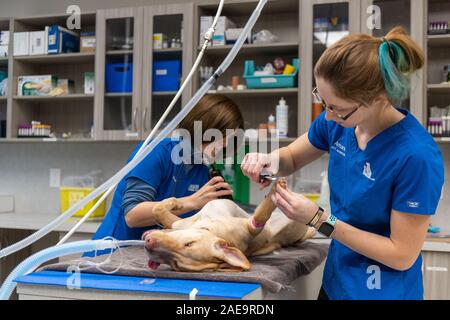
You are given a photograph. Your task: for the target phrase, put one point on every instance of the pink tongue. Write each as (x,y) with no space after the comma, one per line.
(153,265)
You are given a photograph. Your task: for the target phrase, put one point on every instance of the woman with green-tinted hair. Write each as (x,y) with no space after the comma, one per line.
(385,171)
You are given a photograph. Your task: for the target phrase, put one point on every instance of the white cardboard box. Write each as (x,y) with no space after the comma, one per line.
(222,25)
(4,38)
(38,43)
(4,50)
(205,23)
(21,43)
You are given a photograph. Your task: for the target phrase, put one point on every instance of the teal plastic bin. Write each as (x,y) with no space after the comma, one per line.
(272,81)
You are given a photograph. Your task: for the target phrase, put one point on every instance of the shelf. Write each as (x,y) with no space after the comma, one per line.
(236,8)
(118,94)
(437,41)
(63,58)
(118,52)
(276,47)
(164,93)
(3,98)
(168,50)
(69,97)
(442,140)
(257,92)
(439,88)
(281,140)
(51,140)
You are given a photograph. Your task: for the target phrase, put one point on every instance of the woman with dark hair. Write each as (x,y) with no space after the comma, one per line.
(159,176)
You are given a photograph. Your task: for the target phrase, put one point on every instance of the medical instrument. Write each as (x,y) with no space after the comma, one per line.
(31,263)
(214,172)
(264,175)
(146,148)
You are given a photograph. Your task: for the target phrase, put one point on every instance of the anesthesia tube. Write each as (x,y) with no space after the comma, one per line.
(148,148)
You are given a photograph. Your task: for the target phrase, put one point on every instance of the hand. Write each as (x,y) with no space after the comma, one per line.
(210,191)
(294,205)
(254,163)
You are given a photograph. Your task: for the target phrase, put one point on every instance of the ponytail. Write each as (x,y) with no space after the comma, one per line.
(399,57)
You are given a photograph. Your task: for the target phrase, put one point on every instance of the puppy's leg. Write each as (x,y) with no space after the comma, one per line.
(162,212)
(263,211)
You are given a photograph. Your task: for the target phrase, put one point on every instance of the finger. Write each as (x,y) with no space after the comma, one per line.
(283,205)
(222,193)
(222,185)
(285,194)
(215,180)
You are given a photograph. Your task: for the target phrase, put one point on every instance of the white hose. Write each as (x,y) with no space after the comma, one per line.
(208,38)
(31,263)
(147,148)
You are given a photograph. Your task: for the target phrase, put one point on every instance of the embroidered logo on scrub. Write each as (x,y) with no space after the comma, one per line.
(339,148)
(413,204)
(193,187)
(367,171)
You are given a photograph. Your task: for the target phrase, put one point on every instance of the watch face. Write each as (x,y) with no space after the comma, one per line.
(326,229)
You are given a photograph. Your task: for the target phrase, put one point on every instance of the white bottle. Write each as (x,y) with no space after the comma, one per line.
(282,118)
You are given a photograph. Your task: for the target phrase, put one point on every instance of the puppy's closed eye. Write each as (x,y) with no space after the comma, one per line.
(189,244)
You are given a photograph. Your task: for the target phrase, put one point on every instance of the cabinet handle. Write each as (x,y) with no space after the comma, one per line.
(134,120)
(144,116)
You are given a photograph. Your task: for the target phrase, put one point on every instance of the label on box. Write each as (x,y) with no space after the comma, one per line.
(268,80)
(87,42)
(161,72)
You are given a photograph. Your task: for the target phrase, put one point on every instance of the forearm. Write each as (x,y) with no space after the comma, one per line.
(142,214)
(379,248)
(286,164)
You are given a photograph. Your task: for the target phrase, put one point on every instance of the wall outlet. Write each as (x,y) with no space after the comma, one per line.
(55,178)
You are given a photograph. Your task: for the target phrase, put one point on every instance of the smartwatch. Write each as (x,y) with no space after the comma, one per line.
(327,227)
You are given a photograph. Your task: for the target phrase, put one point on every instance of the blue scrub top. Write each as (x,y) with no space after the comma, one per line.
(401,169)
(167,178)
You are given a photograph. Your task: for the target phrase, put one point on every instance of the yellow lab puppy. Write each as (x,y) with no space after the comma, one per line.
(220,236)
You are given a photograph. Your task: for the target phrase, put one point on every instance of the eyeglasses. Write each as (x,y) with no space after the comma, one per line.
(331,108)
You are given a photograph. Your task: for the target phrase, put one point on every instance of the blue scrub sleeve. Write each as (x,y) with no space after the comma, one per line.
(136,191)
(318,133)
(154,168)
(418,185)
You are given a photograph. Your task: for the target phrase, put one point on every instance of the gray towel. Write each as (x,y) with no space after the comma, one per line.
(274,271)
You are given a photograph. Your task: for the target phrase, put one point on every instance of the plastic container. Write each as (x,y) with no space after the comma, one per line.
(270,81)
(71,195)
(166,75)
(282,110)
(119,77)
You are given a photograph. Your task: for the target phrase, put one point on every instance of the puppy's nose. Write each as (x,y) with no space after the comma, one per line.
(151,243)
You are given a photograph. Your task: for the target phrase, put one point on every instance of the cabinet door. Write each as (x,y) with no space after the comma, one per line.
(175,23)
(323,22)
(436,277)
(118,74)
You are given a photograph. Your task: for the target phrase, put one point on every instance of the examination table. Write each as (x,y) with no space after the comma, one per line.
(282,274)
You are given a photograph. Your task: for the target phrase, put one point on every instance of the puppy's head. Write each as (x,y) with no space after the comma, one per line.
(192,250)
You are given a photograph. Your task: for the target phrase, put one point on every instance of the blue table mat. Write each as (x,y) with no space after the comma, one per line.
(225,290)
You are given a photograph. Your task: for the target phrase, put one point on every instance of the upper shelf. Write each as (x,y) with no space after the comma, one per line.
(68,97)
(63,58)
(119,52)
(276,47)
(441,40)
(439,88)
(259,92)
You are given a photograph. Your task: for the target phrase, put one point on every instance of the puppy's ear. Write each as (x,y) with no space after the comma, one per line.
(232,257)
